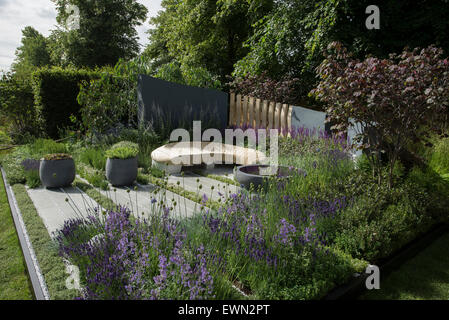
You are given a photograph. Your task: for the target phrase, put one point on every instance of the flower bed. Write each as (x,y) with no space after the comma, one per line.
(298,240)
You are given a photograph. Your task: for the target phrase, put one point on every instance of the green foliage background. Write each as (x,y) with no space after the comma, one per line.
(55,95)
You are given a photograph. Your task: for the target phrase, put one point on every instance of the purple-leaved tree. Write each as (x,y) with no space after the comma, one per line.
(392,99)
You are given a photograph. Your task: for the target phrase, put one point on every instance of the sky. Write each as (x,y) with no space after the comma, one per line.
(15,15)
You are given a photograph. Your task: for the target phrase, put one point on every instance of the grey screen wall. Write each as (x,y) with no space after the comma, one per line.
(167,105)
(310,119)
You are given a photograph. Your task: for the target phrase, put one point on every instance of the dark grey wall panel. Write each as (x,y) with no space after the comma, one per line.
(167,105)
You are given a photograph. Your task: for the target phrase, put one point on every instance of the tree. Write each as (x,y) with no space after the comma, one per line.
(32,54)
(417,23)
(106,31)
(290,40)
(204,33)
(392,99)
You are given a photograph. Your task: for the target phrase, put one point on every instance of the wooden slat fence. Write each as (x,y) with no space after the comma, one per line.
(251,112)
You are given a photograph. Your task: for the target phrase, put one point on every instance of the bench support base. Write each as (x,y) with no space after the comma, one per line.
(168,168)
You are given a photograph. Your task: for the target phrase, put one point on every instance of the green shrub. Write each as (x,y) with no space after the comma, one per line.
(142,178)
(41,147)
(17,108)
(57,156)
(147,140)
(94,157)
(156,172)
(123,150)
(33,179)
(439,159)
(381,220)
(94,177)
(55,94)
(437,189)
(5,138)
(106,102)
(12,163)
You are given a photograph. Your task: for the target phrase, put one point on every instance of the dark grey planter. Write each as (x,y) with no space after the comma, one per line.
(121,172)
(57,173)
(253,175)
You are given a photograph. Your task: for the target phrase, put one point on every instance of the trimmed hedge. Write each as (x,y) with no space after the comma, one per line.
(55,96)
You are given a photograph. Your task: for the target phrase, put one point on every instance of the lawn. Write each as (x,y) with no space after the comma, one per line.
(14,281)
(424,277)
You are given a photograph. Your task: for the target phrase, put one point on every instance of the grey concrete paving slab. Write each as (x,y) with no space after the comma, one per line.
(225,171)
(145,200)
(54,209)
(212,188)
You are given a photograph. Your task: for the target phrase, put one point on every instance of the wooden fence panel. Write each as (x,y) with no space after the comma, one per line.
(245,111)
(277,117)
(271,111)
(232,108)
(257,114)
(252,112)
(238,111)
(289,119)
(284,120)
(264,113)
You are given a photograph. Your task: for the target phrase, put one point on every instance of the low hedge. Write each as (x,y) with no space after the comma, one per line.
(55,96)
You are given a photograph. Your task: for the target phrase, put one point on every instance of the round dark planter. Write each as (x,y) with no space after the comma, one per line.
(121,172)
(57,173)
(257,175)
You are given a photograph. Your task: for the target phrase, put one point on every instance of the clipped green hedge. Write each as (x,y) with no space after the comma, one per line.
(55,96)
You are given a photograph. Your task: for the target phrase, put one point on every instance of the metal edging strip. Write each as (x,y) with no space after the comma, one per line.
(34,271)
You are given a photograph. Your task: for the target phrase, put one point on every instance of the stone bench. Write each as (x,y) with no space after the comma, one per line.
(172,157)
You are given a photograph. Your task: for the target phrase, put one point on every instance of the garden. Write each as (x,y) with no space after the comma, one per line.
(295,238)
(77,134)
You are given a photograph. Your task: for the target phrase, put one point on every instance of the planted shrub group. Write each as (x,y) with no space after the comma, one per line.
(123,150)
(55,96)
(17,108)
(297,240)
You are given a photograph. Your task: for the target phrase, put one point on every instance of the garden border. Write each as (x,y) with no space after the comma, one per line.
(36,277)
(355,287)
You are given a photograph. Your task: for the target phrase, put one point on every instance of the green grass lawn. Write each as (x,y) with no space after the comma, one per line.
(424,277)
(14,281)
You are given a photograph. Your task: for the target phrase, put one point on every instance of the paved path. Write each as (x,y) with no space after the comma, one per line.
(141,201)
(212,188)
(52,207)
(224,171)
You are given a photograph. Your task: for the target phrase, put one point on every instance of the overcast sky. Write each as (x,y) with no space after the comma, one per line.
(41,15)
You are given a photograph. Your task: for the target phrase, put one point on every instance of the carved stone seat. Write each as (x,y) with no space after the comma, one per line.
(172,157)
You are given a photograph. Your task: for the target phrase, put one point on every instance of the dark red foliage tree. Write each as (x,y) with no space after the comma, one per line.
(392,99)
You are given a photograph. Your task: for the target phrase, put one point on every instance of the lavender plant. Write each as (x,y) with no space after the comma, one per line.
(126,258)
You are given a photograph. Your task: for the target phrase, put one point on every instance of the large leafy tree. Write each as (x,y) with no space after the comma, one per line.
(290,40)
(412,24)
(33,53)
(204,33)
(106,31)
